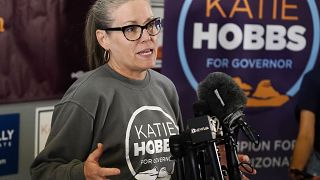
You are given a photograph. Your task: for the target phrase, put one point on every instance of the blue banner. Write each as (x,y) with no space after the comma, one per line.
(9,144)
(266,46)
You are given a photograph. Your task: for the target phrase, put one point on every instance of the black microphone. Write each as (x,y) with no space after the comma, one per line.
(176,144)
(202,131)
(226,101)
(222,94)
(185,148)
(181,148)
(201,108)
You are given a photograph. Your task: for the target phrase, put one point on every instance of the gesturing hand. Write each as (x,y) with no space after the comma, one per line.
(243,159)
(92,169)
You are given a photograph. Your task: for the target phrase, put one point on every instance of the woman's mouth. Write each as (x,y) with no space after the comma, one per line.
(145,52)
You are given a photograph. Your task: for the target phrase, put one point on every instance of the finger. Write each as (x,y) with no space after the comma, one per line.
(248,169)
(244,178)
(95,155)
(243,158)
(105,172)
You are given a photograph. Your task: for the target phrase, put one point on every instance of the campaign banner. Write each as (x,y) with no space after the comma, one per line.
(265,46)
(9,144)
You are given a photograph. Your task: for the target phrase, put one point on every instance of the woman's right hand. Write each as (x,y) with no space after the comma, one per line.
(92,169)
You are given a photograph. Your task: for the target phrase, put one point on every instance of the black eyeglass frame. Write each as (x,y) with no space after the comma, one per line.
(123,28)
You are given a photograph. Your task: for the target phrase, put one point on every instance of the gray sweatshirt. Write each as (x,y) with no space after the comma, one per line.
(132,119)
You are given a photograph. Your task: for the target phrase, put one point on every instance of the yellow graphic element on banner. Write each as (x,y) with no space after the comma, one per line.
(1,24)
(252,12)
(245,87)
(264,95)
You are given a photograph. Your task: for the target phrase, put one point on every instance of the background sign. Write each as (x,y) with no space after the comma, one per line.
(9,144)
(266,46)
(43,127)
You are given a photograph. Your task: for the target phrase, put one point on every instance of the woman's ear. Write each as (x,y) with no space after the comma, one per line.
(102,38)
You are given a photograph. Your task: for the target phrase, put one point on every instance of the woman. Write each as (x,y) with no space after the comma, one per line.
(122,104)
(116,120)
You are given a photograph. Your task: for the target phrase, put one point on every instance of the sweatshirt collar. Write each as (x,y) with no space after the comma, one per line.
(131,82)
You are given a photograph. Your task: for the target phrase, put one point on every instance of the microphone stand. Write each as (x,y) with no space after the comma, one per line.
(215,163)
(179,169)
(176,150)
(231,153)
(183,152)
(195,174)
(202,164)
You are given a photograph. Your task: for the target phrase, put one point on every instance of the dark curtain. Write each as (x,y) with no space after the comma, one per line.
(41,48)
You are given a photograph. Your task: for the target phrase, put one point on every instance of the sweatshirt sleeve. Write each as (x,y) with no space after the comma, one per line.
(68,145)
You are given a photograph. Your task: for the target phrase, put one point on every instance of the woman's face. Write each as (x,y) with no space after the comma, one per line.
(132,58)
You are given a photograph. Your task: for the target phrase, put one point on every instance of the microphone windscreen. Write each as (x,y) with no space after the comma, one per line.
(222,93)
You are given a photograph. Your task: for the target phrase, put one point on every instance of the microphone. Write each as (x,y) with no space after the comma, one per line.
(176,148)
(226,101)
(202,130)
(182,151)
(190,144)
(201,108)
(220,96)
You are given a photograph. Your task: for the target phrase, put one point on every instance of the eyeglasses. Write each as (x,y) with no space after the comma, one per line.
(134,32)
